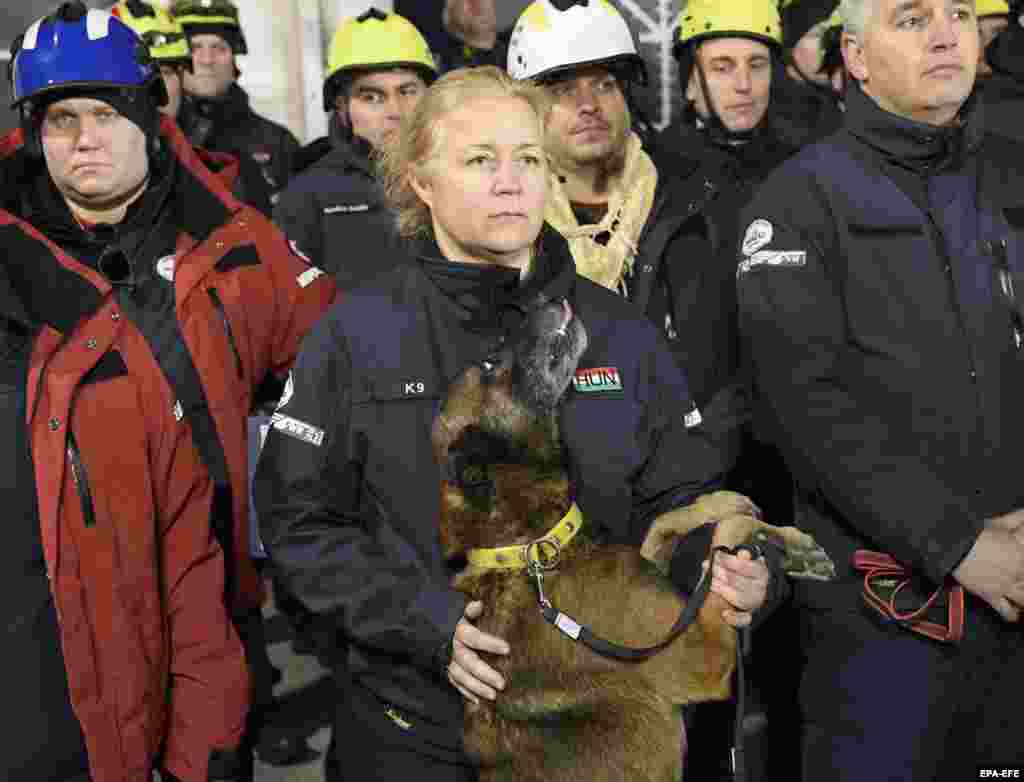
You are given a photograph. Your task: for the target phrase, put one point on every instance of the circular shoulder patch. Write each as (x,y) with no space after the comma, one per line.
(758,235)
(165,267)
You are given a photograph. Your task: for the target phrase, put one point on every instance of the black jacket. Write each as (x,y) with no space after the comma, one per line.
(701,279)
(335,213)
(348,491)
(869,296)
(265,150)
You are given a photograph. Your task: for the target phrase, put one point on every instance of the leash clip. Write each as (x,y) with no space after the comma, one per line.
(537,562)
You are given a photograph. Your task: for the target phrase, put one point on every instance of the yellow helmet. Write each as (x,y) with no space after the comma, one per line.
(701,19)
(372,41)
(213,17)
(992,8)
(164,36)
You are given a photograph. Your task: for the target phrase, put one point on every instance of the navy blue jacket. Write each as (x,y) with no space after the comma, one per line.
(869,296)
(348,489)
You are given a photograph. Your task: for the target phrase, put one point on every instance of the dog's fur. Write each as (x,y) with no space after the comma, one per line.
(566,712)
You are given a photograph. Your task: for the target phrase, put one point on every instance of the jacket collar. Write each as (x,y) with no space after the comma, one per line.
(39,284)
(227,108)
(914,145)
(350,157)
(487,295)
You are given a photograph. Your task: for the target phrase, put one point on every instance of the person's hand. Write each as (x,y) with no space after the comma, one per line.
(1012,522)
(994,568)
(474,22)
(741,581)
(467,672)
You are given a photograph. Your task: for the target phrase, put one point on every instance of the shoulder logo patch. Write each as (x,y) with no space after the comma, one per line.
(758,235)
(165,267)
(597,380)
(300,430)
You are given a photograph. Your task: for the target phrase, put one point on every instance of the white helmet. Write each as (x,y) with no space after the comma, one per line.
(552,36)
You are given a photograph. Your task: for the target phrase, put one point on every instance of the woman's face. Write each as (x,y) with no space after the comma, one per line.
(487,186)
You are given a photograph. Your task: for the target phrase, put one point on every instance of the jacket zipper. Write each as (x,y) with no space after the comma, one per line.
(219,305)
(1005,281)
(81,480)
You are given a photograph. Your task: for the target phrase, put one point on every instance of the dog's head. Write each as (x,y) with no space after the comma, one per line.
(496,438)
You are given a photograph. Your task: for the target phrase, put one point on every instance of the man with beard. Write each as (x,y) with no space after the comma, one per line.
(379,66)
(608,199)
(215,113)
(879,297)
(656,235)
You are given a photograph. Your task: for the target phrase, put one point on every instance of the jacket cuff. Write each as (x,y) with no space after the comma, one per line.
(779,588)
(941,559)
(443,608)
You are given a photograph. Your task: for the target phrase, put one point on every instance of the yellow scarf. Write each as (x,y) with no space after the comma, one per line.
(630,202)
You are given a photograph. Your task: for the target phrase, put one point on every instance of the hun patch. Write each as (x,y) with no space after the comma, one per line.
(599,380)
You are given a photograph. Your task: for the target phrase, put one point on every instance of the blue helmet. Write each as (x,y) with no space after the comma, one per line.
(78,48)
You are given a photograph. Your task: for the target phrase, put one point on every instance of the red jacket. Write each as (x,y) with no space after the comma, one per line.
(244,301)
(154,666)
(269,297)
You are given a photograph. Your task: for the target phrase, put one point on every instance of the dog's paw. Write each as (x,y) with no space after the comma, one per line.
(802,556)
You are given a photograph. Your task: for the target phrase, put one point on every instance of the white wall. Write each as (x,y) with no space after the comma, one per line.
(288,43)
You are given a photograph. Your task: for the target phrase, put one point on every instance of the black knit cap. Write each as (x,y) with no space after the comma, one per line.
(137,105)
(800,16)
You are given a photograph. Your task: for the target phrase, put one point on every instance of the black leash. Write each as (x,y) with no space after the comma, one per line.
(582,634)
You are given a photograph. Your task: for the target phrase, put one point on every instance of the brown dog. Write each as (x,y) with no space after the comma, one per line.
(566,712)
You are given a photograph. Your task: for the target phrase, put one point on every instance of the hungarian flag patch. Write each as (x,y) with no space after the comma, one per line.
(597,380)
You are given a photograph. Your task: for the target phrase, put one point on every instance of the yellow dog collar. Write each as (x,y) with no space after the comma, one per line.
(519,557)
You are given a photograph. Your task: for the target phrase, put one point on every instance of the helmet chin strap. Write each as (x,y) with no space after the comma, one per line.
(714,127)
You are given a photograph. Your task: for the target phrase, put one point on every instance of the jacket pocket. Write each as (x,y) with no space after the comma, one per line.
(222,313)
(81,479)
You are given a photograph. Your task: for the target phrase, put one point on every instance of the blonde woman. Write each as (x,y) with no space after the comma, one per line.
(347,487)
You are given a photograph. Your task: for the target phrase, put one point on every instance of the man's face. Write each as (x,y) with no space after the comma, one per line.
(213,66)
(589,120)
(377,102)
(95,156)
(807,55)
(487,186)
(989,27)
(739,79)
(918,58)
(172,81)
